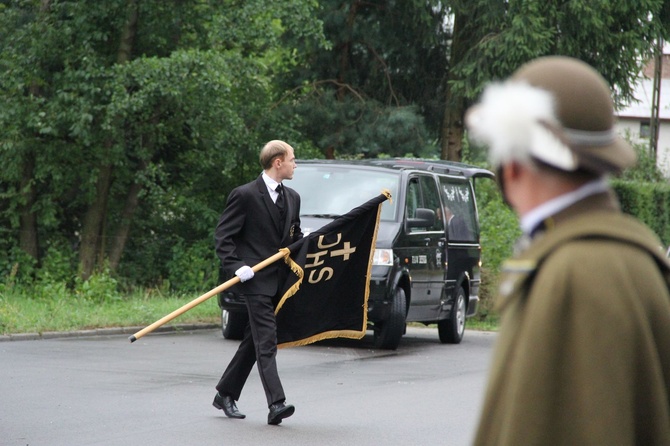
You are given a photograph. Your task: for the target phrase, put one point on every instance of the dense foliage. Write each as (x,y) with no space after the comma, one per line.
(125,123)
(379,87)
(492,38)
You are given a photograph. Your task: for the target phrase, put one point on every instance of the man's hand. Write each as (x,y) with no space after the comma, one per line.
(245,273)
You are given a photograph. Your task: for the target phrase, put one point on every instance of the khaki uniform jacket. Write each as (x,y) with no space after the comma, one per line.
(583,354)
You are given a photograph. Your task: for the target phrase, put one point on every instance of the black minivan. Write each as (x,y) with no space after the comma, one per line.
(427,259)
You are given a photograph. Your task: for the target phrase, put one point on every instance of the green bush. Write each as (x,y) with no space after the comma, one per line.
(194,267)
(649,202)
(100,287)
(645,193)
(17,267)
(499,225)
(499,230)
(58,264)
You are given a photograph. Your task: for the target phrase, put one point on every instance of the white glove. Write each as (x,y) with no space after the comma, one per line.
(245,273)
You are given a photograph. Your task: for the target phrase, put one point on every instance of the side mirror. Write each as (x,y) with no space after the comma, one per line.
(423,218)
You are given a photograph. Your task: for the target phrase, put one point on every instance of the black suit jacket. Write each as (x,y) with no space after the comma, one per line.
(458,229)
(250,230)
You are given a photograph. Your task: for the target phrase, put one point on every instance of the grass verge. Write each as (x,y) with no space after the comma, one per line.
(29,312)
(20,314)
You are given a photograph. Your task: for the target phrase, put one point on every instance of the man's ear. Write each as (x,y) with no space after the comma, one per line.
(508,174)
(505,173)
(512,171)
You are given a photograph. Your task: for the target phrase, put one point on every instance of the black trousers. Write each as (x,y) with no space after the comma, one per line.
(259,345)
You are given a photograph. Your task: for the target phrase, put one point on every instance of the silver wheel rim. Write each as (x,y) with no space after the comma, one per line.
(460,314)
(225,315)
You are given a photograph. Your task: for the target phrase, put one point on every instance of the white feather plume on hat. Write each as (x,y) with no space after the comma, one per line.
(517,121)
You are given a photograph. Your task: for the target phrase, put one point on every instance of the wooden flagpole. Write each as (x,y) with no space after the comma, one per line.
(224,286)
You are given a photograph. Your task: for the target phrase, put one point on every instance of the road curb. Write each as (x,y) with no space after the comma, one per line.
(101,332)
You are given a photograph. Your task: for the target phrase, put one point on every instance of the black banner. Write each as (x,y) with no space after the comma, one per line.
(327,296)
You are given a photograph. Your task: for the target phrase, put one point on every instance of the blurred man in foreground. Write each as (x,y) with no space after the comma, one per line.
(583,355)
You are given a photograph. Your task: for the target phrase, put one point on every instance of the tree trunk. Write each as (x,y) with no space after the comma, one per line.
(128,34)
(452,129)
(28,238)
(121,237)
(93,223)
(344,52)
(452,125)
(28,235)
(92,245)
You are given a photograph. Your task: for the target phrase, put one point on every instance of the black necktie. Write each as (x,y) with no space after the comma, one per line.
(280,198)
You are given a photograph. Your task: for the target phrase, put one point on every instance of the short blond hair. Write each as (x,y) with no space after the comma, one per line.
(272,150)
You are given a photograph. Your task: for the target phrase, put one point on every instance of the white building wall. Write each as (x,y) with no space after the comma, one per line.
(634,114)
(663,151)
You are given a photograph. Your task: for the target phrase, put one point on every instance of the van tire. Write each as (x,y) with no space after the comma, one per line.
(451,330)
(233,324)
(387,337)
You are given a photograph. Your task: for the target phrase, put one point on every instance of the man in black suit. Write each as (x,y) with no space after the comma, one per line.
(457,228)
(260,218)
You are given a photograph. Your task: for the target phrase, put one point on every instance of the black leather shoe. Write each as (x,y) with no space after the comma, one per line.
(227,405)
(279,411)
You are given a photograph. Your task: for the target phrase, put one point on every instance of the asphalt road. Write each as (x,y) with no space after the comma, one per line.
(102,390)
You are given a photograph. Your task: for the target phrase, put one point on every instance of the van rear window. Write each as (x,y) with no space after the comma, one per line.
(459,206)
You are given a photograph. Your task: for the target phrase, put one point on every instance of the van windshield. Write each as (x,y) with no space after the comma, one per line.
(331,191)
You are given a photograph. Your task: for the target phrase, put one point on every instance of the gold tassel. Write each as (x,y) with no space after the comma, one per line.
(387,193)
(297,270)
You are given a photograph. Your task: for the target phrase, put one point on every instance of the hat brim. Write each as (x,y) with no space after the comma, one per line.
(612,158)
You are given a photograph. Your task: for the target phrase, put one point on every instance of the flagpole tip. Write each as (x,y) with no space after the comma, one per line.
(132,339)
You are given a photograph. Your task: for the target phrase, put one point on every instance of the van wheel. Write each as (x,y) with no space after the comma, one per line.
(451,330)
(233,324)
(388,336)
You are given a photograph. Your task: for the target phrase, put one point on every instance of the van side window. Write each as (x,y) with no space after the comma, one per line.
(422,192)
(459,210)
(413,198)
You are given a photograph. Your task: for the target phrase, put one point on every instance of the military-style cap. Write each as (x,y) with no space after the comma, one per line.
(555,109)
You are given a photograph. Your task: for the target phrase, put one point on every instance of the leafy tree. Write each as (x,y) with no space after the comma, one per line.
(417,65)
(492,38)
(646,170)
(125,114)
(125,123)
(378,88)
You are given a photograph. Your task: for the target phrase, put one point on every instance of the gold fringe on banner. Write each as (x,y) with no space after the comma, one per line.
(297,270)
